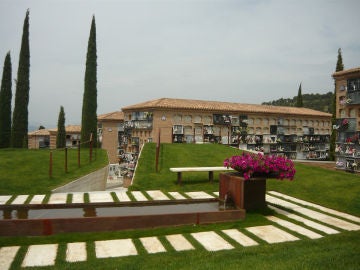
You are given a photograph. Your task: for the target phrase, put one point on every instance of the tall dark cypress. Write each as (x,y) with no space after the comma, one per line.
(5,104)
(61,133)
(339,67)
(20,115)
(89,118)
(299,99)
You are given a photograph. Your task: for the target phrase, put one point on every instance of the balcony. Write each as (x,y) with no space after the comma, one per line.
(354,97)
(139,124)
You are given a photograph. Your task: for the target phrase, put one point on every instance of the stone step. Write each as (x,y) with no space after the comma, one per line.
(239,237)
(76,252)
(199,195)
(317,206)
(139,196)
(294,227)
(307,222)
(179,242)
(333,221)
(157,195)
(37,199)
(115,248)
(20,199)
(272,234)
(57,198)
(7,255)
(177,195)
(40,255)
(152,245)
(211,241)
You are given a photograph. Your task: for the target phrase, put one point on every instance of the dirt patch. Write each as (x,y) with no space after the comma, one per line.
(325,165)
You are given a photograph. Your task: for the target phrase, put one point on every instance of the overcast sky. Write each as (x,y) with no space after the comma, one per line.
(227,50)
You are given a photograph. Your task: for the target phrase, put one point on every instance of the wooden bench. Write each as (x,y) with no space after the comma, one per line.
(211,171)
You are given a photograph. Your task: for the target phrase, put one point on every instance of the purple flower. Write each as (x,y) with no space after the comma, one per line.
(270,166)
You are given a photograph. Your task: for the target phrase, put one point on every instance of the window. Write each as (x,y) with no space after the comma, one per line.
(352,113)
(177,118)
(353,85)
(197,119)
(187,118)
(342,113)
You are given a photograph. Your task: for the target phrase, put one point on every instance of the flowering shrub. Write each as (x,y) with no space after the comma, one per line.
(259,164)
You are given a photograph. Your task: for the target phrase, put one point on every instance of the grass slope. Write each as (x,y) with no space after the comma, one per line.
(336,189)
(25,171)
(180,155)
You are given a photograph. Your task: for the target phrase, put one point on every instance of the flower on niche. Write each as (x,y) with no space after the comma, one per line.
(260,165)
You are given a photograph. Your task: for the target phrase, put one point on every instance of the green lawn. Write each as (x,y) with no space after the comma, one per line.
(24,171)
(334,189)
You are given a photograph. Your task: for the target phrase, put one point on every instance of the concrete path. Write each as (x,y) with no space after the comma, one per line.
(311,224)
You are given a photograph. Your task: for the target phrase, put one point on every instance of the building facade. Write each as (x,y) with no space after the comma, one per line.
(111,126)
(295,132)
(46,138)
(347,126)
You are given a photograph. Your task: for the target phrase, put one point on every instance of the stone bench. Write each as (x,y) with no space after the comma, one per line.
(211,171)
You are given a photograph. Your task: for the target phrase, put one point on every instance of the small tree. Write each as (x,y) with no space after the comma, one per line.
(20,116)
(5,104)
(61,134)
(299,99)
(339,67)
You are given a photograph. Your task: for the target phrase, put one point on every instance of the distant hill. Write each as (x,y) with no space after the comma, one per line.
(319,102)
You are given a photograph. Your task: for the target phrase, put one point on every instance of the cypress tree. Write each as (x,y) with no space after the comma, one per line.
(339,67)
(5,104)
(61,133)
(89,118)
(20,115)
(299,100)
(339,63)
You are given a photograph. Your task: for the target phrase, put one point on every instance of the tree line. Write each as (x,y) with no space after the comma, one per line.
(14,125)
(319,102)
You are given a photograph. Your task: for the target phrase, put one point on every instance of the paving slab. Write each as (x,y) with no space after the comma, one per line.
(317,206)
(57,198)
(294,227)
(271,234)
(216,193)
(139,196)
(157,195)
(76,252)
(307,222)
(4,199)
(78,197)
(98,197)
(37,199)
(152,245)
(241,238)
(333,221)
(199,195)
(115,248)
(20,199)
(40,255)
(7,255)
(179,242)
(177,195)
(211,241)
(122,196)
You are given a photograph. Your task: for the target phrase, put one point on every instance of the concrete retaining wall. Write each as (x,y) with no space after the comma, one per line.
(92,182)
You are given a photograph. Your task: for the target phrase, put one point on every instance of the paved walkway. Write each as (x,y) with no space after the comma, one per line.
(314,223)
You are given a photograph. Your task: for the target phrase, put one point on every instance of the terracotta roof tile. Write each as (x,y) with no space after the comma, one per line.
(118,115)
(346,72)
(69,128)
(39,132)
(190,104)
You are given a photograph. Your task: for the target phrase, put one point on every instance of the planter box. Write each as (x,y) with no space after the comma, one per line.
(245,194)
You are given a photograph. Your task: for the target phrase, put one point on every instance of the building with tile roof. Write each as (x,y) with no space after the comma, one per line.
(271,129)
(347,126)
(44,138)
